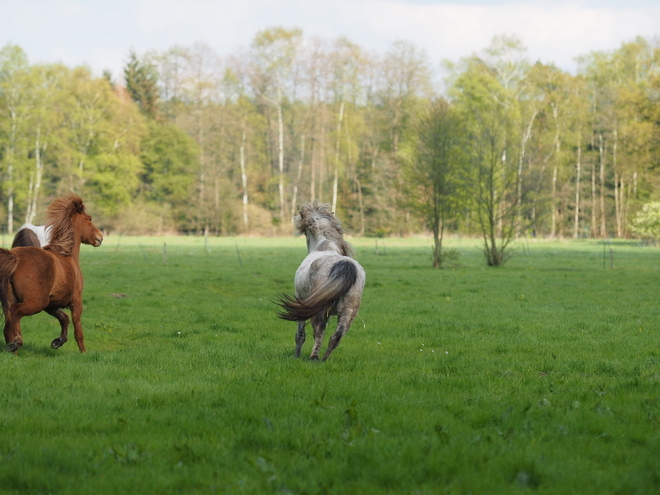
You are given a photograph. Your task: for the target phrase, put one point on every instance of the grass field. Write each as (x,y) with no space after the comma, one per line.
(542,376)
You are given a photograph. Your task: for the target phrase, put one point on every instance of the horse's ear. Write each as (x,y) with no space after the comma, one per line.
(77,205)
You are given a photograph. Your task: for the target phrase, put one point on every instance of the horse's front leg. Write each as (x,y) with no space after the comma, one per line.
(319,322)
(76,314)
(64,325)
(300,337)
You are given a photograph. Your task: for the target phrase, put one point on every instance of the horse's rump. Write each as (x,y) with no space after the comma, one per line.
(8,266)
(40,273)
(324,297)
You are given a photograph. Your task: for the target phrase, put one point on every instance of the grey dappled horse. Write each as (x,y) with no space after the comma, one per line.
(328,282)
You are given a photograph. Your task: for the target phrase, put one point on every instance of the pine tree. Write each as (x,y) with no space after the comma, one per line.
(142,85)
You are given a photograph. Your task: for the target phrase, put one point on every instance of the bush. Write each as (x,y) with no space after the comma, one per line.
(646,223)
(145,219)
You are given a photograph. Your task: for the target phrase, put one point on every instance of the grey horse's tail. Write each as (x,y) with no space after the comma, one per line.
(343,275)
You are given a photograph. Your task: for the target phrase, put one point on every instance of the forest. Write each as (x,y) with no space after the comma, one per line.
(192,141)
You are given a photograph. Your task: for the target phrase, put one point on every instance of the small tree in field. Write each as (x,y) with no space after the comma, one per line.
(646,223)
(432,170)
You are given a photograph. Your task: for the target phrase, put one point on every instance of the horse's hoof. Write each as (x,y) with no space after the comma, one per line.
(313,358)
(12,347)
(57,343)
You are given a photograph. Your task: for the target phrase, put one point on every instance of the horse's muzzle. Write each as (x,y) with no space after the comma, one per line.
(98,241)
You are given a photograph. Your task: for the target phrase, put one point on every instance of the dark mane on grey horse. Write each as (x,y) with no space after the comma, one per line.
(322,223)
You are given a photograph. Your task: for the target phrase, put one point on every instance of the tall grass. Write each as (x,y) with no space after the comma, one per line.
(543,375)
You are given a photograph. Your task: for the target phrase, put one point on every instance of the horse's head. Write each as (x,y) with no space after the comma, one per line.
(322,229)
(68,221)
(88,232)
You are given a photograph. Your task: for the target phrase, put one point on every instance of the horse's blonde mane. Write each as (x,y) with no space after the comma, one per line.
(311,218)
(60,215)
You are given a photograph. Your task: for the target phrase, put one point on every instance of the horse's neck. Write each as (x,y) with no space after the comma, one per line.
(312,243)
(322,244)
(75,248)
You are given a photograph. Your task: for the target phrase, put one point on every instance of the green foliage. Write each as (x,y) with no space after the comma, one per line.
(433,175)
(292,118)
(170,160)
(115,179)
(646,223)
(488,110)
(540,377)
(142,84)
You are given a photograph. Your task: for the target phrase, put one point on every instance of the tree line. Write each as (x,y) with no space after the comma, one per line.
(187,140)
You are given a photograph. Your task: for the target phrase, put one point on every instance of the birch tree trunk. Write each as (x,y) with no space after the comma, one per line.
(280,141)
(578,171)
(594,230)
(321,175)
(10,172)
(618,191)
(360,205)
(202,176)
(617,205)
(337,142)
(557,146)
(553,227)
(294,199)
(521,160)
(312,179)
(38,172)
(10,201)
(244,180)
(601,149)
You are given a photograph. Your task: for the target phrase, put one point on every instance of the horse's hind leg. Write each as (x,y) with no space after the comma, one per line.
(13,315)
(319,322)
(9,331)
(300,337)
(64,325)
(344,321)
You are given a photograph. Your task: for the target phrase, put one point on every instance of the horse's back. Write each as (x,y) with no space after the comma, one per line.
(26,237)
(317,266)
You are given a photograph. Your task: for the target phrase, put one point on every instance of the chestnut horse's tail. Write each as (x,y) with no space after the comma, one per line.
(8,265)
(343,276)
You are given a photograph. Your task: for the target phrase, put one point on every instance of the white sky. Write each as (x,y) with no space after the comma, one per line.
(100,34)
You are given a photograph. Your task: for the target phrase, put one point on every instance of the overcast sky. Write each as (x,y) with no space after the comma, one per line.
(100,34)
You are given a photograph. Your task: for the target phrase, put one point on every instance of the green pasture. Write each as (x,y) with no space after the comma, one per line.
(539,377)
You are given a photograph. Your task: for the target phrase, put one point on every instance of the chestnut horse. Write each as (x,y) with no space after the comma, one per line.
(49,279)
(328,282)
